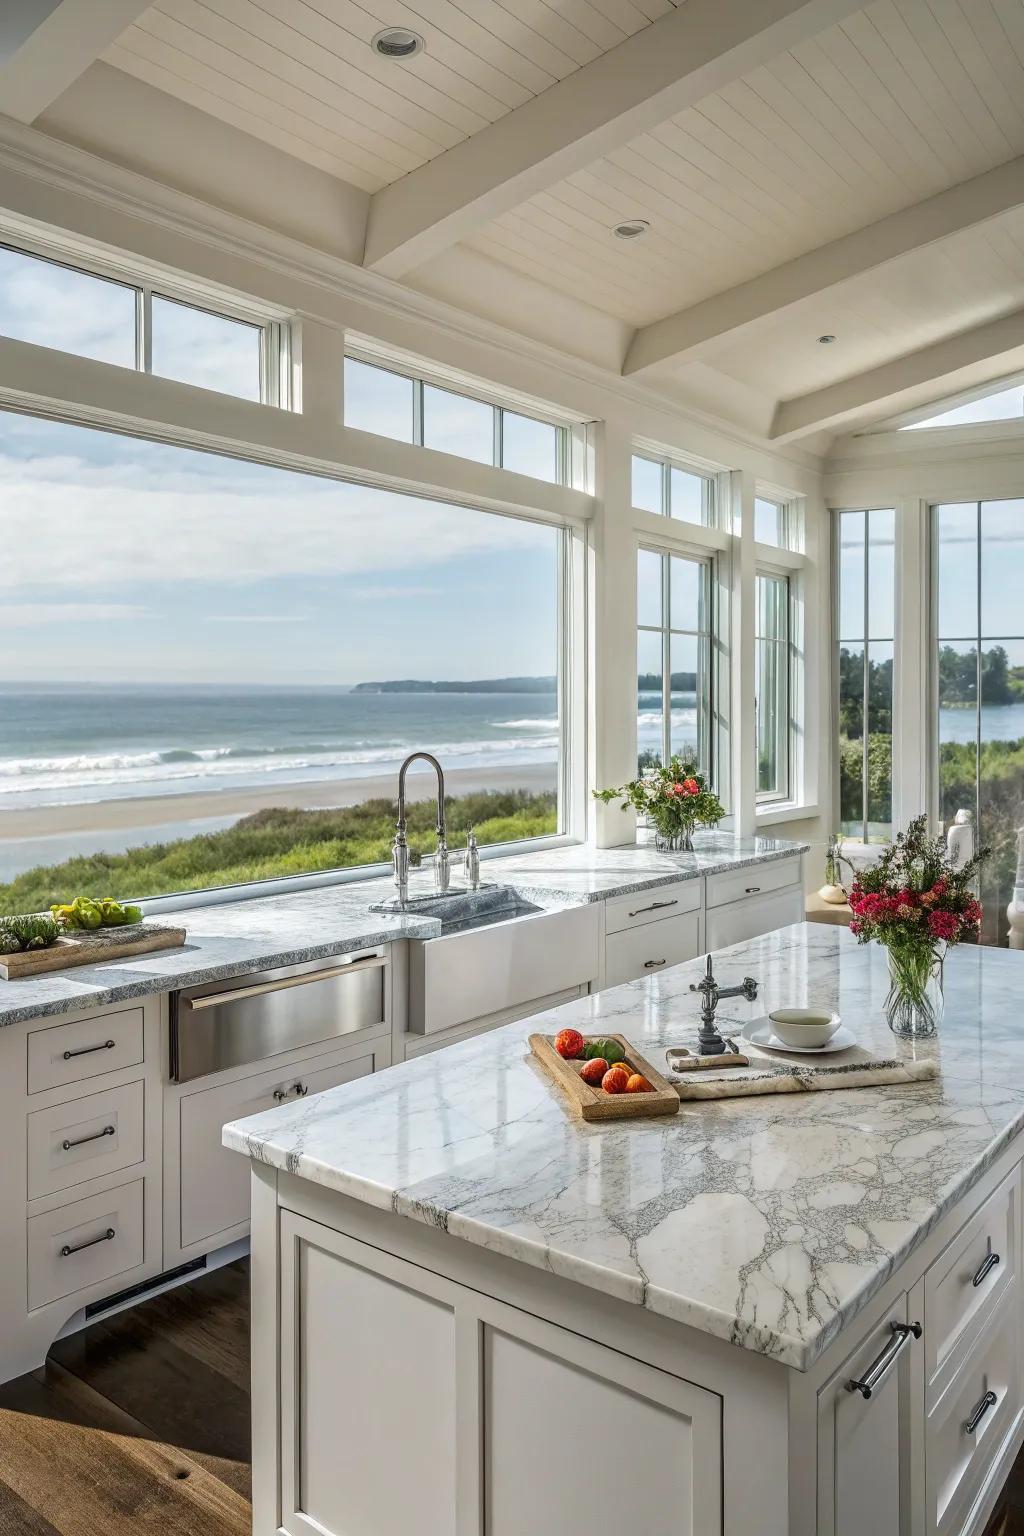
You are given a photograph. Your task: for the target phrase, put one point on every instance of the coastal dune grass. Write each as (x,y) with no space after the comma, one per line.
(278,842)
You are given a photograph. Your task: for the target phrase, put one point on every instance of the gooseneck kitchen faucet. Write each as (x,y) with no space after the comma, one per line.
(400,846)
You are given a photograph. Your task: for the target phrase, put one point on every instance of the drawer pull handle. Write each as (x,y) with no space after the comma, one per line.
(902,1333)
(87,1050)
(987,1402)
(298,1089)
(655,906)
(104,1237)
(108,1130)
(751,890)
(985,1268)
(652,965)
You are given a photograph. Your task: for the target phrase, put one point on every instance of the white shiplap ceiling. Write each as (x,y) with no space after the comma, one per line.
(302,76)
(900,101)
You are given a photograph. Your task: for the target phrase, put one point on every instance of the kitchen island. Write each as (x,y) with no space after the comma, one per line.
(474,1313)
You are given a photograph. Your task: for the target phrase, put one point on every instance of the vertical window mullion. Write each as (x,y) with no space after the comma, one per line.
(666,658)
(866,698)
(499,435)
(146,331)
(417,412)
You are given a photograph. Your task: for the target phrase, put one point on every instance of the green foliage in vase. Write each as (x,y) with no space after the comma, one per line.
(675,797)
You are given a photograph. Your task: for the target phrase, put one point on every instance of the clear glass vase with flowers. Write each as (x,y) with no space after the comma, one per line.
(674,798)
(916,905)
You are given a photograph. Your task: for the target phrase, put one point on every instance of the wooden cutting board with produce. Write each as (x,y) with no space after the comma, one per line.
(604,1077)
(85,931)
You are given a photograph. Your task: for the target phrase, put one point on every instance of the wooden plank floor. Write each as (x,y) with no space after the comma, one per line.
(140,1426)
(136,1425)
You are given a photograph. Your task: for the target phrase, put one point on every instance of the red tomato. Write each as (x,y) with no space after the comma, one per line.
(569,1043)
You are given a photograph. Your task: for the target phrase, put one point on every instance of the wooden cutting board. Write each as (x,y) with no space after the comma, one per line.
(91,947)
(594,1103)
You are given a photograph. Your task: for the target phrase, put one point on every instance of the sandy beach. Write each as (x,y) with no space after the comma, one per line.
(154,812)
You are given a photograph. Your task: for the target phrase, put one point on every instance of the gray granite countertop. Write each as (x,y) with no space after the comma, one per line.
(234,938)
(769,1222)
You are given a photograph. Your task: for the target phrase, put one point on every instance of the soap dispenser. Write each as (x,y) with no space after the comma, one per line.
(472,861)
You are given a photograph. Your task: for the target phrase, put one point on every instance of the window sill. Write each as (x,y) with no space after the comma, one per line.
(771,814)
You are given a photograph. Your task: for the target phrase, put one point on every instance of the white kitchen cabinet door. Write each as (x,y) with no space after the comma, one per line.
(867,1445)
(755,915)
(635,953)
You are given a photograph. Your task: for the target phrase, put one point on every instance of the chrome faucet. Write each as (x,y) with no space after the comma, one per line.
(400,846)
(709,1041)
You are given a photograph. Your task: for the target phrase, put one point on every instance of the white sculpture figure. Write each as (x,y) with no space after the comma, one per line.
(1015,911)
(960,839)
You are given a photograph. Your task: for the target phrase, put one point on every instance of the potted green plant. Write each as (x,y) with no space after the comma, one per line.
(916,904)
(674,798)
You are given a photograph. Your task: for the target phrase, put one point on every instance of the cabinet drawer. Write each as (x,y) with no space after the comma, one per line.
(757,914)
(651,906)
(965,1282)
(84,1139)
(84,1243)
(215,1182)
(643,951)
(756,880)
(985,1392)
(70,1053)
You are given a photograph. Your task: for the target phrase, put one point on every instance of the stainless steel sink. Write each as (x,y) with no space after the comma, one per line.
(461,911)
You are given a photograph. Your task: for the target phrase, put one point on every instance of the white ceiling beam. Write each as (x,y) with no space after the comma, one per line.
(698,48)
(46,44)
(690,332)
(884,390)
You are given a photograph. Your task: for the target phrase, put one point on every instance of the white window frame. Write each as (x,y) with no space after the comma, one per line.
(572,441)
(713,499)
(146,280)
(708,762)
(787,731)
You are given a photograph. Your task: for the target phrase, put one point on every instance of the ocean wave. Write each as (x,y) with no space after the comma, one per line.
(182,768)
(550,723)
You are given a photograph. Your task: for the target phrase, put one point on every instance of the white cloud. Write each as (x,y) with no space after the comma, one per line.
(175,519)
(255,618)
(26,615)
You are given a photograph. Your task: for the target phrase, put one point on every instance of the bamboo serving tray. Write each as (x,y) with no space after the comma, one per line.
(594,1103)
(91,947)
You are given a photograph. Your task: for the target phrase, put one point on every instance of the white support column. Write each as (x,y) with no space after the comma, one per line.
(911,694)
(319,372)
(742,736)
(612,623)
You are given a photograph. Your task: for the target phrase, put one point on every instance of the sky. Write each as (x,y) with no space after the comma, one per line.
(133,561)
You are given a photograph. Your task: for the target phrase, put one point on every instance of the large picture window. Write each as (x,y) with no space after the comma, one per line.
(979,579)
(772,686)
(867,625)
(674,630)
(211,670)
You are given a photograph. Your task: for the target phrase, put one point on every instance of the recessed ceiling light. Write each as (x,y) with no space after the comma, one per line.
(632,229)
(397,43)
(825,341)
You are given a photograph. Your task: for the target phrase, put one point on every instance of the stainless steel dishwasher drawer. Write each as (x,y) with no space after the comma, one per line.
(248,1018)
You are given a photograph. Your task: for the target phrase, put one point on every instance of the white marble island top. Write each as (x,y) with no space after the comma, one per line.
(768,1222)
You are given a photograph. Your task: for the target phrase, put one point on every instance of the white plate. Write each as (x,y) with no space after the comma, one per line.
(761,1033)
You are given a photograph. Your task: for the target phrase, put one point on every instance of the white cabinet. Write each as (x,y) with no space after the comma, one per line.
(745,919)
(866,1434)
(411,1403)
(645,950)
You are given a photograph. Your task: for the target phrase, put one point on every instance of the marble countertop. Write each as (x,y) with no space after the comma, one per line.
(768,1222)
(238,937)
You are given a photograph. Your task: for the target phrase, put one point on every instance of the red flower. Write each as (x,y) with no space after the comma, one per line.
(691,787)
(943,924)
(971,915)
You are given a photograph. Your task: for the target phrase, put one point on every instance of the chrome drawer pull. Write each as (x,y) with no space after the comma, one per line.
(299,1089)
(106,1237)
(87,1050)
(987,1402)
(655,906)
(108,1130)
(652,965)
(985,1268)
(751,890)
(902,1333)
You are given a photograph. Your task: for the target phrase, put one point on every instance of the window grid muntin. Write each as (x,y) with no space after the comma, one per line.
(562,445)
(703,633)
(866,641)
(784,723)
(709,488)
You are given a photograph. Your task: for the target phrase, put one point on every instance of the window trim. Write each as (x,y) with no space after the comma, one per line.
(713,501)
(706,708)
(861,840)
(765,799)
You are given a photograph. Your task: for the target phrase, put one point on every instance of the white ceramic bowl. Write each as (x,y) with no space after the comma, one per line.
(809,1028)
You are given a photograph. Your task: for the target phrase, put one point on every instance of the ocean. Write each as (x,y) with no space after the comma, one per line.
(65,746)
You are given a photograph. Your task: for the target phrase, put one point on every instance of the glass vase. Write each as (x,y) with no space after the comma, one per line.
(674,842)
(914,1006)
